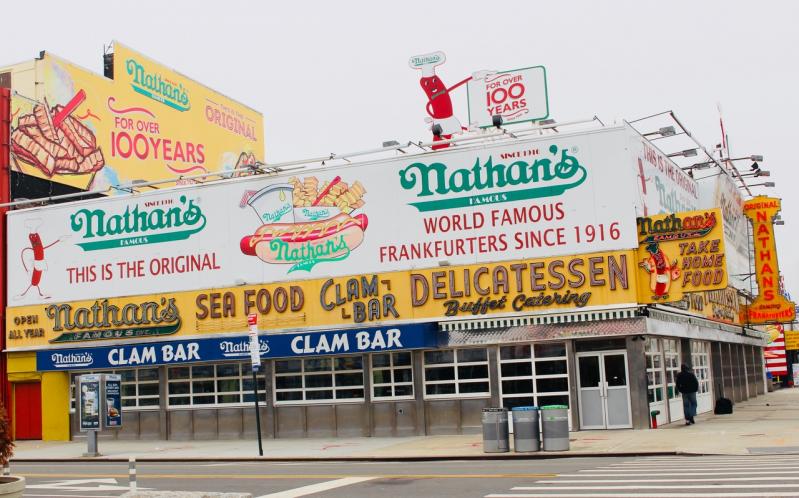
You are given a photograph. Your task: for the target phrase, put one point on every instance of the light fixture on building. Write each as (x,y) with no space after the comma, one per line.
(497,120)
(666,131)
(437,130)
(764,184)
(684,153)
(444,262)
(390,143)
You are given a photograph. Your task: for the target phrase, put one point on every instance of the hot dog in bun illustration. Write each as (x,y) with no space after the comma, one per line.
(305,223)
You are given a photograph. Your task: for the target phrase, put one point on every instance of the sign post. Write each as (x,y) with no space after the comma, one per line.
(89,420)
(255,358)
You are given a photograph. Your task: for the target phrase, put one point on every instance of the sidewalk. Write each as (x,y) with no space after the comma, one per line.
(764,425)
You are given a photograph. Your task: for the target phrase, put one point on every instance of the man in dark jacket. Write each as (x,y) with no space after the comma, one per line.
(688,385)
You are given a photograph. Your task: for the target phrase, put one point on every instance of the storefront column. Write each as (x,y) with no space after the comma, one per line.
(636,362)
(268,428)
(418,389)
(55,397)
(163,403)
(493,366)
(571,366)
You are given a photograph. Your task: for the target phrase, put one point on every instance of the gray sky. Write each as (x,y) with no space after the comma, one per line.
(333,76)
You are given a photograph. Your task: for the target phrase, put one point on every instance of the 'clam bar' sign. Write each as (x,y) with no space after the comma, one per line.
(353,341)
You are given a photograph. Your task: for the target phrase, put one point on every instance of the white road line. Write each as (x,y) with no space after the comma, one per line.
(685,473)
(75,496)
(683,464)
(318,488)
(655,469)
(690,479)
(645,495)
(633,488)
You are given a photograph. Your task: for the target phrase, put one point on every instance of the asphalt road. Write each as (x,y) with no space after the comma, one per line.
(667,477)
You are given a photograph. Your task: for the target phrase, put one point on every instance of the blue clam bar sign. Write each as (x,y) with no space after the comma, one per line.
(237,347)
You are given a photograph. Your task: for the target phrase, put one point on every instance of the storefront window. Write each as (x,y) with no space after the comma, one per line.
(671,352)
(392,375)
(456,373)
(212,384)
(700,359)
(534,375)
(654,370)
(140,387)
(319,380)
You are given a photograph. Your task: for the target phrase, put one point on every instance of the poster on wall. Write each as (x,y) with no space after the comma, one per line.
(147,123)
(112,387)
(540,197)
(89,402)
(774,352)
(679,253)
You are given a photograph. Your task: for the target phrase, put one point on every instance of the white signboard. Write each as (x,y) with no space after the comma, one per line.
(547,196)
(722,192)
(663,187)
(518,95)
(255,345)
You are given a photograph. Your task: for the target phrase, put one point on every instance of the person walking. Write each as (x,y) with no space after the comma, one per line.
(687,384)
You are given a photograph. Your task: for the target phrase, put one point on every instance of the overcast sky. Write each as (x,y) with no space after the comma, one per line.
(333,76)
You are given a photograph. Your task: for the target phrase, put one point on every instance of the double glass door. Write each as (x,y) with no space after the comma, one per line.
(604,397)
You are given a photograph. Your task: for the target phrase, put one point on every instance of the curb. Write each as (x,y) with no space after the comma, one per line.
(419,458)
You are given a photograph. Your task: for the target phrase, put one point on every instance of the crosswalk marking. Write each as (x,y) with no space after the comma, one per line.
(726,479)
(671,477)
(646,495)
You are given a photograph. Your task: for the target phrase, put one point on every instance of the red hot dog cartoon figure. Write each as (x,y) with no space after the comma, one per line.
(439,103)
(36,264)
(661,271)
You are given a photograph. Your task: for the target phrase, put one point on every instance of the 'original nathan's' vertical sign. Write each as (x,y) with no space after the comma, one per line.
(769,306)
(681,252)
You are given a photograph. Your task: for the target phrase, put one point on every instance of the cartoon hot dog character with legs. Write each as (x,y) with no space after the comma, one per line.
(38,264)
(661,271)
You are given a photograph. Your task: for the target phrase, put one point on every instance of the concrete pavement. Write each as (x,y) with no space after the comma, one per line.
(766,424)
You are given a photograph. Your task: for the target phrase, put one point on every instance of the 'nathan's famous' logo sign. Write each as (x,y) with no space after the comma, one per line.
(156,87)
(103,320)
(521,180)
(138,225)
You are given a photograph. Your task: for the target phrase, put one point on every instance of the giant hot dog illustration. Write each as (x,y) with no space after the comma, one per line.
(305,223)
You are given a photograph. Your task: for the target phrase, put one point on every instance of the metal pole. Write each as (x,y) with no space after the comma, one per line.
(132,473)
(91,442)
(257,411)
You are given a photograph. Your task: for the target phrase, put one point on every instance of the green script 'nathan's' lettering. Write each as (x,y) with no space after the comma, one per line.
(548,177)
(154,86)
(137,221)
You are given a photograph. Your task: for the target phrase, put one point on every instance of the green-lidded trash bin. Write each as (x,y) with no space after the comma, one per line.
(555,426)
(495,430)
(525,429)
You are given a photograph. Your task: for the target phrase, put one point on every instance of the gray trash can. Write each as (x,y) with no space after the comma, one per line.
(555,426)
(525,429)
(495,430)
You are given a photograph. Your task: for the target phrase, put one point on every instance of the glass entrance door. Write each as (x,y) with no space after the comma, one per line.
(604,399)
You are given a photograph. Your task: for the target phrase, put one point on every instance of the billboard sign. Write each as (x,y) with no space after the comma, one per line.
(518,95)
(532,198)
(237,347)
(534,286)
(663,187)
(769,306)
(678,253)
(147,123)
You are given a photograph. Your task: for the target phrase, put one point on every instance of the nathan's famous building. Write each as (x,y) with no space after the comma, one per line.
(395,296)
